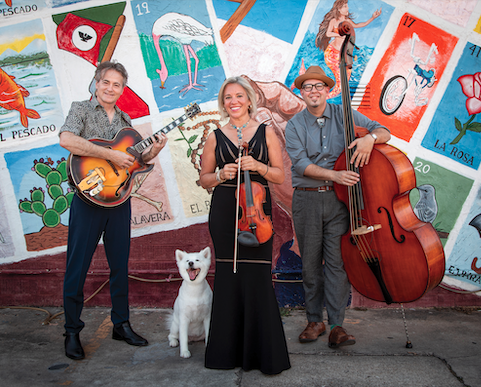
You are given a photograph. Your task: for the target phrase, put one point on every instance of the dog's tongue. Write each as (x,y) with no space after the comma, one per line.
(193,273)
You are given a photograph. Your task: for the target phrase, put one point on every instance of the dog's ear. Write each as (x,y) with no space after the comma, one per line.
(206,252)
(179,254)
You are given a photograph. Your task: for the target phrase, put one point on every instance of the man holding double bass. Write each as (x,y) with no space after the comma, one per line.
(314,141)
(99,118)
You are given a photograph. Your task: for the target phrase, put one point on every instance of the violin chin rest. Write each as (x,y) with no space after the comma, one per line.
(248,239)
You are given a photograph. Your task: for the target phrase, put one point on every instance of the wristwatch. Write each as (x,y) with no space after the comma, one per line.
(373,136)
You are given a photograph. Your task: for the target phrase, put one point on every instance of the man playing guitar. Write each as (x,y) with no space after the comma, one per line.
(100,118)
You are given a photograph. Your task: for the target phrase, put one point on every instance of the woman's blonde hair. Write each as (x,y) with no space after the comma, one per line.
(251,95)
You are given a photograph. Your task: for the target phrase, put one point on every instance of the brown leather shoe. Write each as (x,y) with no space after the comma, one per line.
(312,332)
(339,337)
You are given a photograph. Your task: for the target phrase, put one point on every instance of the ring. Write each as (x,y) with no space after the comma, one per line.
(230,175)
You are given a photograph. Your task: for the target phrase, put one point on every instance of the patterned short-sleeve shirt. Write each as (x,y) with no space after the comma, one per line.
(88,119)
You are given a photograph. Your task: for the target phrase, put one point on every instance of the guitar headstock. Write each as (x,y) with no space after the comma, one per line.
(192,110)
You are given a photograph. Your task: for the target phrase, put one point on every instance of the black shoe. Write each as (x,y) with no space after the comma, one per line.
(125,332)
(73,348)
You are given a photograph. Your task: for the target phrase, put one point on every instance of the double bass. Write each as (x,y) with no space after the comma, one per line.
(389,254)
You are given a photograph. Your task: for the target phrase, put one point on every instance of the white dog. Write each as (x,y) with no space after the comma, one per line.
(192,307)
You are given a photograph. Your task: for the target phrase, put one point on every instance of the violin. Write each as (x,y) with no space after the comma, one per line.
(254,227)
(389,254)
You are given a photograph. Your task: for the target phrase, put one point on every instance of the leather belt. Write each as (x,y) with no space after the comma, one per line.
(318,189)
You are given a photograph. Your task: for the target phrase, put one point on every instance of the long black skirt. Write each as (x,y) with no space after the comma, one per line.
(246,327)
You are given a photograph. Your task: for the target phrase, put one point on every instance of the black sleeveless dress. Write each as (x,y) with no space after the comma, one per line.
(246,327)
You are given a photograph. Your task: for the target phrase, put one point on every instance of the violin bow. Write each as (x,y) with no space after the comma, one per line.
(239,136)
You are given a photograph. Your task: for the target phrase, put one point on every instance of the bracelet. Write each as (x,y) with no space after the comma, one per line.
(267,170)
(218,178)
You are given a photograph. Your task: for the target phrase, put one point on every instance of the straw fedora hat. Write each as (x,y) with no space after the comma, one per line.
(314,72)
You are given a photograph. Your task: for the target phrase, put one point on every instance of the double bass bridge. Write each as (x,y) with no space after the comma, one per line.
(363,230)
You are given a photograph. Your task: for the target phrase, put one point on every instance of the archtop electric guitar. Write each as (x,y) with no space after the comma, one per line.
(100,182)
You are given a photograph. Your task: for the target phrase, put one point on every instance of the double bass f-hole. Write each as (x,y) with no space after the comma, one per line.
(391,227)
(254,226)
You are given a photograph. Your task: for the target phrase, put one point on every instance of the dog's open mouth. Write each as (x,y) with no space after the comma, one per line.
(193,273)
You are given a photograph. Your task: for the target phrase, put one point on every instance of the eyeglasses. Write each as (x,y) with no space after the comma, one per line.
(319,86)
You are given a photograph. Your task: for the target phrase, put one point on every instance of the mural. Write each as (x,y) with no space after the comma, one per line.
(458,135)
(464,263)
(320,42)
(93,34)
(42,194)
(18,9)
(256,44)
(406,77)
(7,245)
(439,196)
(29,99)
(416,70)
(454,11)
(173,34)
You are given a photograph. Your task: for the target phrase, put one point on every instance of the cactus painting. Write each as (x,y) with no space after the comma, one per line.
(54,177)
(43,195)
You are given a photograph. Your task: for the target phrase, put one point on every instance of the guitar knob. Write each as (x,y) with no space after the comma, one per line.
(96,190)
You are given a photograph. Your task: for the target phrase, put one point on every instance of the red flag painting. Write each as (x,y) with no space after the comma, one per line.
(93,34)
(81,36)
(132,104)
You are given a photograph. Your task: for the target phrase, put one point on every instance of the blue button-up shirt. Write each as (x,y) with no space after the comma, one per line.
(309,143)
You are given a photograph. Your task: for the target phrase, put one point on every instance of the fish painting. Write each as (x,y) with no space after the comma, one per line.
(8,2)
(12,97)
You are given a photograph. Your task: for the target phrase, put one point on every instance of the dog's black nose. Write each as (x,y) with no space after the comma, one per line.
(191,263)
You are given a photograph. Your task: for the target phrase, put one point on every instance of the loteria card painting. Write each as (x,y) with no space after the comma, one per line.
(432,200)
(93,35)
(455,130)
(369,19)
(407,76)
(258,35)
(464,262)
(180,55)
(29,99)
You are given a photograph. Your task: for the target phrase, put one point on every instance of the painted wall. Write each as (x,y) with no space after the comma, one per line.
(178,52)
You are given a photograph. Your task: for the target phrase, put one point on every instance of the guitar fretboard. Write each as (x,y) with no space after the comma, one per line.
(144,144)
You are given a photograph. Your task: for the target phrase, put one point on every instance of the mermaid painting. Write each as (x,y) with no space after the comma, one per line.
(329,41)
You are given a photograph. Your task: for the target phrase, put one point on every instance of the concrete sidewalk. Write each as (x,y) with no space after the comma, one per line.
(446,352)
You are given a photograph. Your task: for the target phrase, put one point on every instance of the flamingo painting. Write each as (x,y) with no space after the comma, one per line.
(185,30)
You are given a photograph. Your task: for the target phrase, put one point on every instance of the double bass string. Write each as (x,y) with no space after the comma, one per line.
(355,192)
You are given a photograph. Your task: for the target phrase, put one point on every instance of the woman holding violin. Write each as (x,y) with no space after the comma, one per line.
(238,160)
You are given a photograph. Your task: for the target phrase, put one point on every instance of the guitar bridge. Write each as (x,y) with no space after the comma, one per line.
(93,182)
